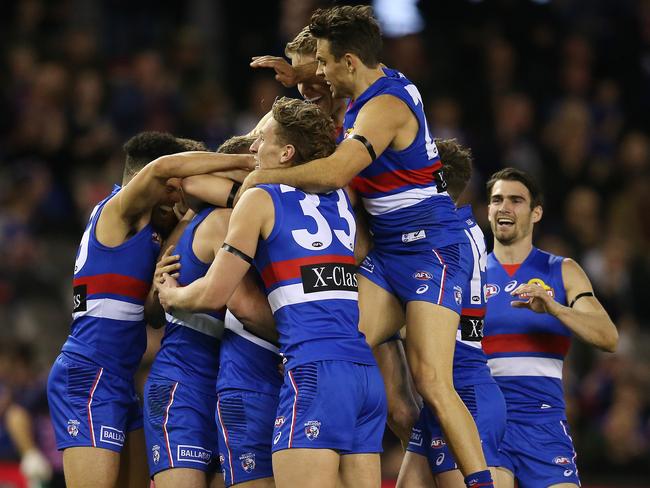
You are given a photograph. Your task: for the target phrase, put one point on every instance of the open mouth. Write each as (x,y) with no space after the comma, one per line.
(315,99)
(505,222)
(165,208)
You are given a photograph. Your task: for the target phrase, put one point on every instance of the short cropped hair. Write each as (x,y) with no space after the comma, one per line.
(305,126)
(144,147)
(303,43)
(349,29)
(456,165)
(514,174)
(237,145)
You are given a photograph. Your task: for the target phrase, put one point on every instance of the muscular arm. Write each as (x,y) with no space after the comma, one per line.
(247,223)
(351,156)
(213,189)
(587,318)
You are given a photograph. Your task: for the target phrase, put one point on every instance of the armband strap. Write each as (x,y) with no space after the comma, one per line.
(233,192)
(581,295)
(365,142)
(237,252)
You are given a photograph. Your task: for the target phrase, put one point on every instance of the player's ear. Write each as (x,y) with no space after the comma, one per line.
(537,214)
(287,154)
(350,62)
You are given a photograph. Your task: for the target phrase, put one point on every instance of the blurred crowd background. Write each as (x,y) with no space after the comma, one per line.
(560,89)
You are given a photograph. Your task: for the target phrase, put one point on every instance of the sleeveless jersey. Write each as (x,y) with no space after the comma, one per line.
(189,351)
(110,286)
(470,362)
(525,349)
(400,189)
(308,269)
(247,362)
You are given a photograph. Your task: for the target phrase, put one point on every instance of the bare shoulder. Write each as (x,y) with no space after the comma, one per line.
(574,277)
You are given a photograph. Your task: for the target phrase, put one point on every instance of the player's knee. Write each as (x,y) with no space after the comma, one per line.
(432,385)
(402,416)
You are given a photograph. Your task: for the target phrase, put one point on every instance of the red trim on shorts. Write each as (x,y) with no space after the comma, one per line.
(171,400)
(88,406)
(442,277)
(224,431)
(293,412)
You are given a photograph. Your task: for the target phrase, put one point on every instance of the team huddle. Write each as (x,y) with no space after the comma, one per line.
(319,279)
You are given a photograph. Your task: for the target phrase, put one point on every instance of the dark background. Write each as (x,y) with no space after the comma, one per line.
(560,89)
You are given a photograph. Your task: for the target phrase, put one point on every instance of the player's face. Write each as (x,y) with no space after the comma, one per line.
(335,73)
(268,151)
(509,212)
(163,217)
(314,90)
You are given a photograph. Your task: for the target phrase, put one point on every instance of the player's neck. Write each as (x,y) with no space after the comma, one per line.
(365,78)
(338,114)
(514,253)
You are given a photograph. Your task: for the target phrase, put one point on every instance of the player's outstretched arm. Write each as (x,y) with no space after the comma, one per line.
(585,315)
(232,260)
(378,122)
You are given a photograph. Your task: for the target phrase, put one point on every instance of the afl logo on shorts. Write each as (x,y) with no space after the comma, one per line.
(422,275)
(438,442)
(312,429)
(491,289)
(279,421)
(562,460)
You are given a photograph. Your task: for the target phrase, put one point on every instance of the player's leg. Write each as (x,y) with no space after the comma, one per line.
(259,483)
(306,468)
(415,472)
(215,480)
(402,407)
(133,461)
(90,467)
(380,313)
(185,477)
(360,470)
(88,406)
(505,478)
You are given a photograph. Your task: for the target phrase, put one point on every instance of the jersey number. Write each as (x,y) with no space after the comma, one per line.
(322,238)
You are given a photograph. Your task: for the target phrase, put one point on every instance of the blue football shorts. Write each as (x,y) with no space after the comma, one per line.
(337,405)
(488,408)
(90,406)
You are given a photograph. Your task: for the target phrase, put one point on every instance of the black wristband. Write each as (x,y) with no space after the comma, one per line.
(237,252)
(365,142)
(581,295)
(233,193)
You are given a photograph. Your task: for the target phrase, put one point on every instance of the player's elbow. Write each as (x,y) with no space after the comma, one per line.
(610,341)
(190,184)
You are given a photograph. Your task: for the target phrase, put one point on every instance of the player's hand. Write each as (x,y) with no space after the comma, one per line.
(534,297)
(169,264)
(284,72)
(166,291)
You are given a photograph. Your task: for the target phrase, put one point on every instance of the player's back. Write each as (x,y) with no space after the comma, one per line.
(110,288)
(308,268)
(402,190)
(189,350)
(470,362)
(525,349)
